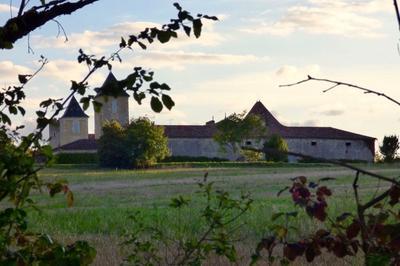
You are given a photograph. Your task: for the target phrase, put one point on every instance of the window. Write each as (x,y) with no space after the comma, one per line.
(248,143)
(313,143)
(348,144)
(114,106)
(76,127)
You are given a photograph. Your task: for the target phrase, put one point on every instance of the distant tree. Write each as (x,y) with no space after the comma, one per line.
(146,141)
(275,148)
(112,149)
(139,145)
(389,147)
(251,156)
(236,128)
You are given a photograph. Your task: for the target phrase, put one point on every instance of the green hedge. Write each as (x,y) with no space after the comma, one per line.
(237,164)
(185,159)
(76,158)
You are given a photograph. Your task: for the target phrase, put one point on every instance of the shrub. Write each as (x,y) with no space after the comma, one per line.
(184,159)
(390,145)
(276,142)
(112,150)
(139,145)
(76,158)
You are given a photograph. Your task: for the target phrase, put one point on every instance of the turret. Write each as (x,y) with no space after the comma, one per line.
(72,126)
(115,104)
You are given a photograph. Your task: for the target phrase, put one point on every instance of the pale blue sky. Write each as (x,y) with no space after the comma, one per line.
(257,45)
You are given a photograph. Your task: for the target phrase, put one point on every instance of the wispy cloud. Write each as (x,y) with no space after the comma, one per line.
(9,72)
(6,8)
(97,41)
(341,17)
(178,60)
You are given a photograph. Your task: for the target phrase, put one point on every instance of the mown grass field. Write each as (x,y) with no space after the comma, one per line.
(104,199)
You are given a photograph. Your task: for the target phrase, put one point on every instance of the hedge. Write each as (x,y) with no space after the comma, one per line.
(76,158)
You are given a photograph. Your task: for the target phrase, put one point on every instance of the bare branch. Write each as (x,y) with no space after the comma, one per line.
(340,83)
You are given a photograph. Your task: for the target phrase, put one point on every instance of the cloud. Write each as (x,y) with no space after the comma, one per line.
(306,123)
(341,17)
(177,60)
(9,72)
(329,110)
(97,41)
(67,70)
(6,8)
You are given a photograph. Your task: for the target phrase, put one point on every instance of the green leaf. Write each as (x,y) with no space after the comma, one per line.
(187,30)
(23,78)
(197,27)
(97,106)
(163,36)
(156,105)
(167,101)
(122,43)
(21,110)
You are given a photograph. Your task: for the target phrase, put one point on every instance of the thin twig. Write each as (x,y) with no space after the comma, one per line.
(60,29)
(396,8)
(340,83)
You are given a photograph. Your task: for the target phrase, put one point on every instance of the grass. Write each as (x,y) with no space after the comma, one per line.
(104,199)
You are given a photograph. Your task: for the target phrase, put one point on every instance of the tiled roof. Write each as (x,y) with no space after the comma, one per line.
(184,131)
(74,109)
(109,87)
(274,127)
(82,144)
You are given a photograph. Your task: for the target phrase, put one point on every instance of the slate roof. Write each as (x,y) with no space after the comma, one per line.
(187,131)
(74,109)
(81,144)
(108,87)
(275,127)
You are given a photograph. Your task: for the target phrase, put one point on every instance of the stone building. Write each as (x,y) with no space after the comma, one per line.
(197,140)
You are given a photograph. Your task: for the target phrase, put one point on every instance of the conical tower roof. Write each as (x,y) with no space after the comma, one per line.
(109,87)
(260,110)
(74,109)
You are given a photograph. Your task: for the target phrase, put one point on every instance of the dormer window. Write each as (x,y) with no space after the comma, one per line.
(114,106)
(76,128)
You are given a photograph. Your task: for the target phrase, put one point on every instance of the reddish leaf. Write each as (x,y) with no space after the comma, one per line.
(353,229)
(395,244)
(323,191)
(394,195)
(292,251)
(319,211)
(339,249)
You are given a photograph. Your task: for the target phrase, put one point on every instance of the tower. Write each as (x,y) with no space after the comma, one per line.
(114,102)
(72,126)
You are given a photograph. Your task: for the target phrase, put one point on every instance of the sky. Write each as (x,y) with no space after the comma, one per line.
(240,59)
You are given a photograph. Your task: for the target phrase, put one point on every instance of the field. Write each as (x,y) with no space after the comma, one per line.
(104,199)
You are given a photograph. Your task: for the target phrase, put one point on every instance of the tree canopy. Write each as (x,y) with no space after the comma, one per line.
(236,128)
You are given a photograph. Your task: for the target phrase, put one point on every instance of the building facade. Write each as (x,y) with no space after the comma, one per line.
(197,140)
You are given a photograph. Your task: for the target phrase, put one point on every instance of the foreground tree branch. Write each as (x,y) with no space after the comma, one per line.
(340,83)
(20,26)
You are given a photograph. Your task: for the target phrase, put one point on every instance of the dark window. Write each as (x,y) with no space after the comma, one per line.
(313,143)
(348,144)
(248,142)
